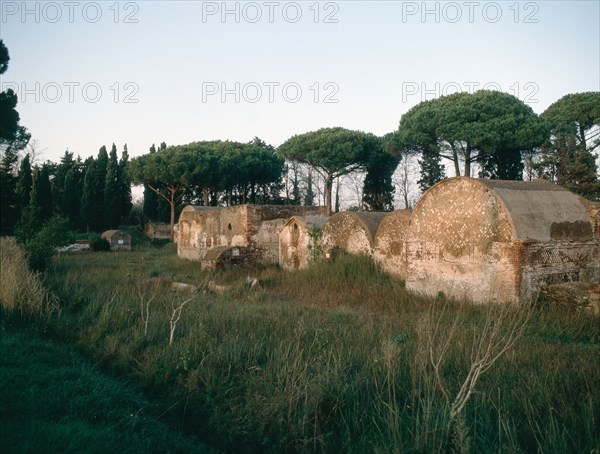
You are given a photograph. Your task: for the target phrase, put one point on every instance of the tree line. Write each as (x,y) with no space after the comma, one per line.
(93,195)
(504,139)
(488,134)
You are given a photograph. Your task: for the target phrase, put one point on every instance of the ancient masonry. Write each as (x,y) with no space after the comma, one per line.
(487,240)
(390,243)
(158,230)
(241,233)
(494,240)
(299,238)
(351,232)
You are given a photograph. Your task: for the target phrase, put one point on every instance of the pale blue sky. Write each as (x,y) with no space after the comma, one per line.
(378,60)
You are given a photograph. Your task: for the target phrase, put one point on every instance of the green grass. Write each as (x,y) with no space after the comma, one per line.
(333,358)
(54,400)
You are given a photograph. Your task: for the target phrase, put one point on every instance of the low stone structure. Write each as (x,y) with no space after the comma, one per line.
(253,226)
(158,230)
(390,243)
(118,240)
(493,240)
(221,257)
(298,238)
(352,232)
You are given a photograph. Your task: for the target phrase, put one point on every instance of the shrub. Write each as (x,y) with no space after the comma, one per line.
(97,243)
(42,246)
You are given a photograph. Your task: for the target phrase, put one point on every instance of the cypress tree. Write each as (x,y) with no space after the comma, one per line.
(111,190)
(72,197)
(124,186)
(87,198)
(24,183)
(432,169)
(44,193)
(8,196)
(32,218)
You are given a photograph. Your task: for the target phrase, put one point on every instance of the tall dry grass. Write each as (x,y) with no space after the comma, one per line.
(21,290)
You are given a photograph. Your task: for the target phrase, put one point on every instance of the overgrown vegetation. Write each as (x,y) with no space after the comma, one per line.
(54,400)
(40,243)
(338,357)
(21,292)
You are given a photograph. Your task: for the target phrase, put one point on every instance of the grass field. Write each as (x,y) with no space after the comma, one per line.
(338,357)
(54,400)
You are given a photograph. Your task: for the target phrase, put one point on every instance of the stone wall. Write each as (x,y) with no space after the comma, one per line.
(252,226)
(158,230)
(296,241)
(352,232)
(390,243)
(496,240)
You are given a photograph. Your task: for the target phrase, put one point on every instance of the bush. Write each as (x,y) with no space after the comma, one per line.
(98,244)
(42,246)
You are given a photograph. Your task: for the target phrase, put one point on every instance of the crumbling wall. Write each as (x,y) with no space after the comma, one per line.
(266,240)
(390,243)
(118,240)
(351,232)
(492,240)
(593,210)
(264,224)
(196,231)
(222,257)
(232,226)
(158,230)
(204,228)
(297,240)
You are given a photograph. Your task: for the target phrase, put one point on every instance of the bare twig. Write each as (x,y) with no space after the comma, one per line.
(175,316)
(145,306)
(502,327)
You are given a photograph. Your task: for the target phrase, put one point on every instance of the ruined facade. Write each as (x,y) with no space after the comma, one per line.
(493,240)
(298,239)
(390,243)
(158,230)
(255,227)
(352,232)
(593,209)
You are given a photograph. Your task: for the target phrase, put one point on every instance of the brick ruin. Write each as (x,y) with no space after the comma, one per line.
(351,232)
(487,240)
(492,240)
(253,227)
(390,243)
(297,240)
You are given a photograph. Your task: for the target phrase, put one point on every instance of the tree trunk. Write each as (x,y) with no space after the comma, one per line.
(337,196)
(455,161)
(172,203)
(468,161)
(582,136)
(328,190)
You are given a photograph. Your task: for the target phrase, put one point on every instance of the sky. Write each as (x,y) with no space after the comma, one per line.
(95,73)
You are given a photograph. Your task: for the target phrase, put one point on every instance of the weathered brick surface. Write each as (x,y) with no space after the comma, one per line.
(352,232)
(252,226)
(495,240)
(391,241)
(296,240)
